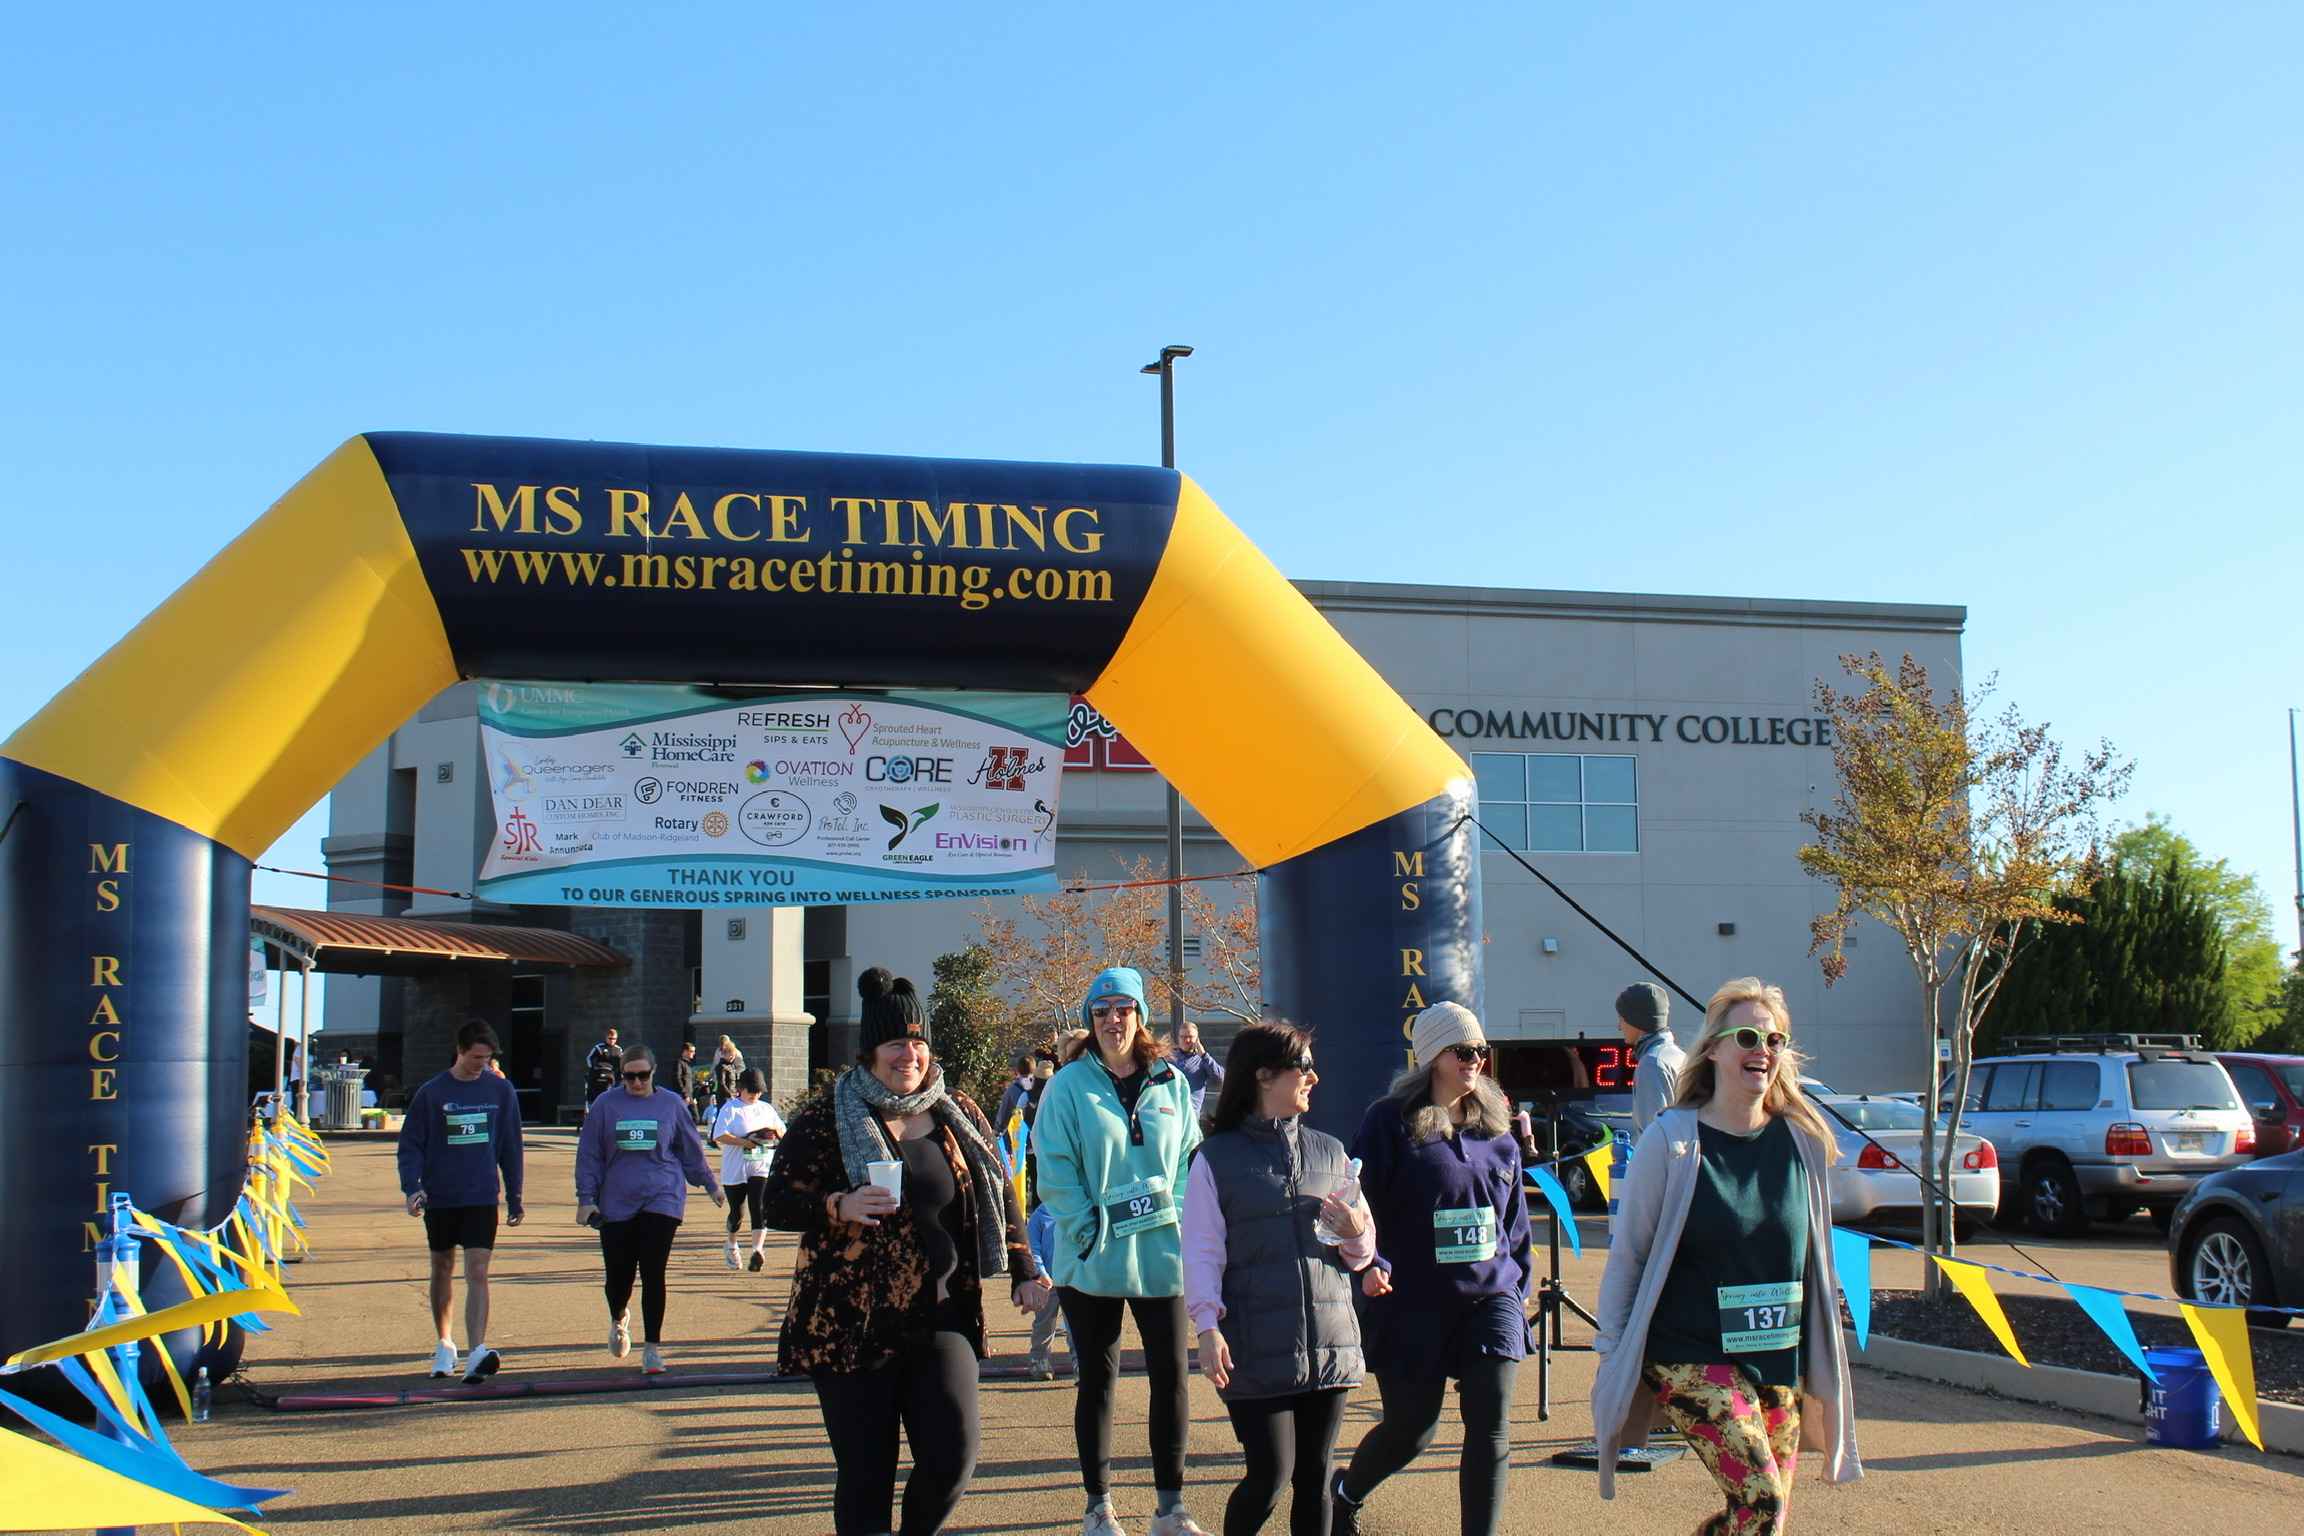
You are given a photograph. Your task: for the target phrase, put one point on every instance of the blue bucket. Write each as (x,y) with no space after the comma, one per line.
(2184,1410)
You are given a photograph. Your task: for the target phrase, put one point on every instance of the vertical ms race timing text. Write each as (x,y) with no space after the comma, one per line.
(767,541)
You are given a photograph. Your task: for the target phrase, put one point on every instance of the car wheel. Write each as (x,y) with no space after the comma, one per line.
(2052,1199)
(2227,1266)
(1576,1178)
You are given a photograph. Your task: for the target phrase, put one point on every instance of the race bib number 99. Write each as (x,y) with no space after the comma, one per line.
(636,1135)
(1139,1207)
(1758,1318)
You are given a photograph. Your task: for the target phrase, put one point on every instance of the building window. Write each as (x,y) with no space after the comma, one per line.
(816,988)
(1548,802)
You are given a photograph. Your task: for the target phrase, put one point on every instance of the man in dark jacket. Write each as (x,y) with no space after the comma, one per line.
(601,1066)
(684,1076)
(460,1137)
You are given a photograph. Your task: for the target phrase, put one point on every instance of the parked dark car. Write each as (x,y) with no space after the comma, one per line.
(2238,1238)
(2273,1089)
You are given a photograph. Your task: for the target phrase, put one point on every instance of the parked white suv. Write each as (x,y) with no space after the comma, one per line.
(2092,1127)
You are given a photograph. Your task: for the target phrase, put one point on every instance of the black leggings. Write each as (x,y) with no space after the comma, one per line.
(930,1389)
(1291,1439)
(1095,1325)
(1412,1413)
(643,1244)
(751,1195)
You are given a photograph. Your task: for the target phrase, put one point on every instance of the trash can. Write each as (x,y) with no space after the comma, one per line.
(2185,1409)
(342,1112)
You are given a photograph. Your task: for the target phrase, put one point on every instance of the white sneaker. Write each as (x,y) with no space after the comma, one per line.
(620,1336)
(1100,1521)
(443,1360)
(652,1359)
(733,1261)
(484,1364)
(1177,1523)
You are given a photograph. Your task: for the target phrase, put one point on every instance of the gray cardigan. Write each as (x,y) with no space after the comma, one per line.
(1657,1191)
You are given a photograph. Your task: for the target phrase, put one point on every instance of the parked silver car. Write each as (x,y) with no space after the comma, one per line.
(2096,1127)
(1874,1182)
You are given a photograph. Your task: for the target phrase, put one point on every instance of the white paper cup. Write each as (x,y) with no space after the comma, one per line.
(888,1173)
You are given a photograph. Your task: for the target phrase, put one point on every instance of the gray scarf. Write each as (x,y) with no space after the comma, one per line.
(860,1102)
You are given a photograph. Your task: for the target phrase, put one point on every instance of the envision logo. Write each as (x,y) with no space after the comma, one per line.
(905,825)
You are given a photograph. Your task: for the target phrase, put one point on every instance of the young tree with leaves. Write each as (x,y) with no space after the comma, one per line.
(1957,837)
(968,1022)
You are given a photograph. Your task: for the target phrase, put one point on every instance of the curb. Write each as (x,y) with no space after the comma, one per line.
(2089,1392)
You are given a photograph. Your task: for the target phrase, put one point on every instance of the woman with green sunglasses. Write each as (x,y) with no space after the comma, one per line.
(1720,1305)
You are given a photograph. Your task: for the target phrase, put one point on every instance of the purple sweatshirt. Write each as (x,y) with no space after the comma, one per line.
(639,1154)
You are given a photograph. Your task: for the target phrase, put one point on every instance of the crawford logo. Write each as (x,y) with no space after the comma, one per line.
(756,772)
(905,825)
(632,745)
(648,791)
(521,838)
(715,823)
(774,819)
(1007,767)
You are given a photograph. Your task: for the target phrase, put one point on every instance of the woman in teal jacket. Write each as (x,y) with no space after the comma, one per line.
(1113,1133)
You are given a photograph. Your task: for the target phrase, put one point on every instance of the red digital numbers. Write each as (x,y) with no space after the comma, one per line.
(1612,1066)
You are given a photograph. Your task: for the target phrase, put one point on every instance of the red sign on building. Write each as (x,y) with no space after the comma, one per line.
(1092,743)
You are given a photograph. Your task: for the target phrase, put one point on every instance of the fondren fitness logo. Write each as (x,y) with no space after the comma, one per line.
(905,825)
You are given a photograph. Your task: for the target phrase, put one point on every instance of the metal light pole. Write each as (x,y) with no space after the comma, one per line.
(2296,824)
(1166,369)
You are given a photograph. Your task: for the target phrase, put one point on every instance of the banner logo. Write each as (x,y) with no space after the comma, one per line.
(854,722)
(521,839)
(905,825)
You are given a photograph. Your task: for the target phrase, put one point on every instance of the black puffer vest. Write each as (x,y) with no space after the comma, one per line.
(1288,1315)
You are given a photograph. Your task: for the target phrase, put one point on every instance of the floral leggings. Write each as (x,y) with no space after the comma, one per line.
(1747,1434)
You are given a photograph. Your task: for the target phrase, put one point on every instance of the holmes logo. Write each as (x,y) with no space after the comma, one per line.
(905,825)
(632,745)
(521,838)
(1007,767)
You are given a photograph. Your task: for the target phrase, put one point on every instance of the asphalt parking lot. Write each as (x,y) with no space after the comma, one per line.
(677,1456)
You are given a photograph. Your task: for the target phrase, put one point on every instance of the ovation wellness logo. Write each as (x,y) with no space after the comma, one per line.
(905,825)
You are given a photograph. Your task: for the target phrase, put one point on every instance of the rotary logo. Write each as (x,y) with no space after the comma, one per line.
(715,823)
(756,772)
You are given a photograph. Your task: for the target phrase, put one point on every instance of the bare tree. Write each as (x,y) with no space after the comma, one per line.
(1957,837)
(1044,958)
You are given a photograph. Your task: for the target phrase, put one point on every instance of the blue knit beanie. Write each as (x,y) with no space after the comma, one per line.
(1113,981)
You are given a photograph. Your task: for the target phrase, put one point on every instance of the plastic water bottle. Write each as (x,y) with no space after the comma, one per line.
(203,1397)
(1350,1195)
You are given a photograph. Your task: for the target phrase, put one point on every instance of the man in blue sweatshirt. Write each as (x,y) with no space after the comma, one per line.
(461,1131)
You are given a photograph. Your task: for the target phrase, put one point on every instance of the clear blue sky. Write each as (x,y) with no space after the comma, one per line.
(1992,306)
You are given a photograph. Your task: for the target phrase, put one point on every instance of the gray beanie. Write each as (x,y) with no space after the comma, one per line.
(1643,1005)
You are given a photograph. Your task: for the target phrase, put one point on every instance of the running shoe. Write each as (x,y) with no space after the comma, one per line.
(1038,1368)
(620,1335)
(759,1261)
(485,1363)
(443,1360)
(1176,1523)
(1343,1514)
(1100,1521)
(733,1262)
(652,1359)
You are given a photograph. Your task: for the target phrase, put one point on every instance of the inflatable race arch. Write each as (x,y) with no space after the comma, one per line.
(137,799)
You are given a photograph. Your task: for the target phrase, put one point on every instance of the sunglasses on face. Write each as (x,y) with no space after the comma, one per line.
(1111,1010)
(1300,1063)
(639,1077)
(1749,1039)
(1468,1054)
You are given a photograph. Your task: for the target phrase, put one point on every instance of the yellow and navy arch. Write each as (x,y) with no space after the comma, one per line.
(407,561)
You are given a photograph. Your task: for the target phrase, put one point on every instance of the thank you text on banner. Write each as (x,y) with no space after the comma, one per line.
(631,795)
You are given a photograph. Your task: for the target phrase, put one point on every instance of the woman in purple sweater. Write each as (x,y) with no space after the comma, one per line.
(1448,1293)
(637,1156)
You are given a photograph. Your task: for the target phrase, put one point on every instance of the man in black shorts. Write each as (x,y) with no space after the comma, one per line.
(461,1132)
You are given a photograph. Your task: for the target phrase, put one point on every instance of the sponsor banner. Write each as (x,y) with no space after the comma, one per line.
(632,795)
